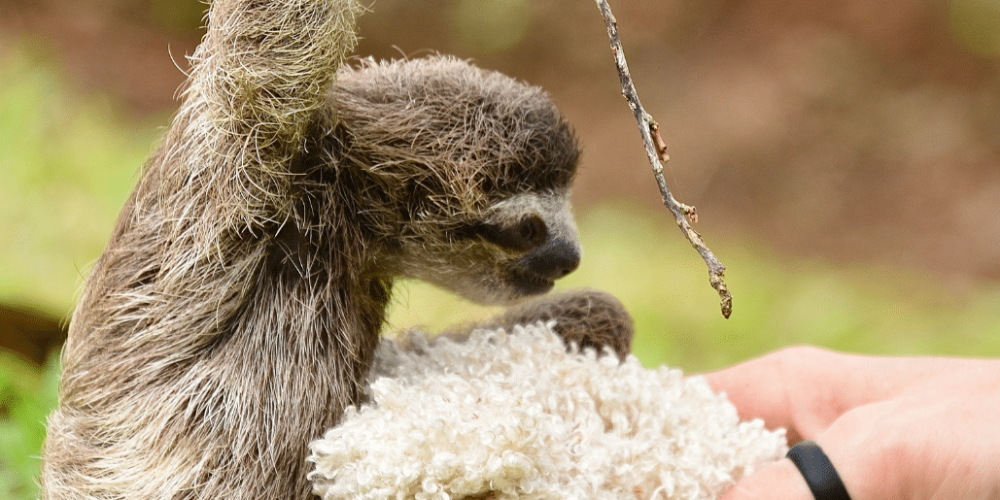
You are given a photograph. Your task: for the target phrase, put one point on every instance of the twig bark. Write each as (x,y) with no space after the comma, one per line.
(649,130)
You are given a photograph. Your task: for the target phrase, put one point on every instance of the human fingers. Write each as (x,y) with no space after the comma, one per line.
(807,473)
(759,388)
(777,481)
(802,389)
(927,430)
(931,444)
(806,389)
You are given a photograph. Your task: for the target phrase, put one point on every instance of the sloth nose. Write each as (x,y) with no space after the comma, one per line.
(556,259)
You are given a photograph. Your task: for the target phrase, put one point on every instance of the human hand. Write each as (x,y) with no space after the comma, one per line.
(894,428)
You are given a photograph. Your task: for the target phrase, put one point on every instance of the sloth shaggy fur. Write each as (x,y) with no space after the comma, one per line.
(236,310)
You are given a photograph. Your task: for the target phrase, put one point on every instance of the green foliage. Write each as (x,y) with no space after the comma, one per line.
(27,395)
(488,27)
(644,260)
(178,16)
(975,24)
(67,165)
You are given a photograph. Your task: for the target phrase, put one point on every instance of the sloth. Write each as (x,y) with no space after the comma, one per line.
(236,309)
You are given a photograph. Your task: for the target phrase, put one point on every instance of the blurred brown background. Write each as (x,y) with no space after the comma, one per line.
(844,156)
(848,130)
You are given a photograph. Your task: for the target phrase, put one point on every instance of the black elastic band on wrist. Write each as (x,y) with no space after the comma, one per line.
(818,471)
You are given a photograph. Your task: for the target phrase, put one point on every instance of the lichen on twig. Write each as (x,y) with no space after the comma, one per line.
(684,215)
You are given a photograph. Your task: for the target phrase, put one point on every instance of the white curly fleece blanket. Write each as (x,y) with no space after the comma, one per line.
(505,416)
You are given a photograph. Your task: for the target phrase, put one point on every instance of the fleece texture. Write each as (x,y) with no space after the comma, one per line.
(516,416)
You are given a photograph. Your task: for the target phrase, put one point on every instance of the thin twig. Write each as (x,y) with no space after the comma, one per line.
(649,129)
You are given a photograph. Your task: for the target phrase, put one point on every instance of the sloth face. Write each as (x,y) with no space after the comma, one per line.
(517,249)
(468,174)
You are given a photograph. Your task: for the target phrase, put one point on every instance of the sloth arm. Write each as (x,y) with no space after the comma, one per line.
(589,318)
(256,96)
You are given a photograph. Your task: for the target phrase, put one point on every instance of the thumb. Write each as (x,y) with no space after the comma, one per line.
(778,481)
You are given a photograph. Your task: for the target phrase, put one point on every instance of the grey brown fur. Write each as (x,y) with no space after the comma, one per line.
(588,318)
(591,319)
(235,311)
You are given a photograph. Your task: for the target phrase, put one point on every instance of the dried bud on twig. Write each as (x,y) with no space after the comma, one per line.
(649,130)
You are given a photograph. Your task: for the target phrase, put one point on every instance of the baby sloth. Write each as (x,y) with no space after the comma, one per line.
(237,307)
(465,175)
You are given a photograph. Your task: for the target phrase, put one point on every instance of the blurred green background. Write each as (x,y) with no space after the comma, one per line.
(844,157)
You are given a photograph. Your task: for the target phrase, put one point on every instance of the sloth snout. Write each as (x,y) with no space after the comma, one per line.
(555,259)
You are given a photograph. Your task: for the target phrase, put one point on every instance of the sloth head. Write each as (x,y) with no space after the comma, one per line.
(469,172)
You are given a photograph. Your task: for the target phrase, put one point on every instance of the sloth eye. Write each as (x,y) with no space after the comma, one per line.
(523,236)
(532,231)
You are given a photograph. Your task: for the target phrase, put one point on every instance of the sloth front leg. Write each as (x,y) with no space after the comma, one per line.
(589,318)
